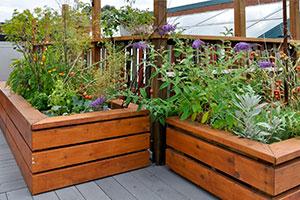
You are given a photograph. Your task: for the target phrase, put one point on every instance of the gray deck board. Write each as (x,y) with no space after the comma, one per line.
(181,185)
(3,196)
(46,196)
(91,191)
(157,186)
(152,183)
(136,187)
(22,194)
(69,193)
(114,190)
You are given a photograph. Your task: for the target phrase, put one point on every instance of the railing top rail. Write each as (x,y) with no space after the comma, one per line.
(202,37)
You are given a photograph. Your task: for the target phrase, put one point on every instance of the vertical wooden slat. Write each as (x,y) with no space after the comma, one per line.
(294,19)
(96,31)
(160,14)
(240,18)
(141,69)
(65,10)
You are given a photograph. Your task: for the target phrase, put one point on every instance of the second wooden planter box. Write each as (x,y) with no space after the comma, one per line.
(231,167)
(61,151)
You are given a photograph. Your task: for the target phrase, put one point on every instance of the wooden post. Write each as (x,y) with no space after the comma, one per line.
(96,30)
(65,10)
(294,20)
(158,132)
(239,18)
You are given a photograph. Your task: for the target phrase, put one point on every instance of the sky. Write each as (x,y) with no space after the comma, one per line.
(7,6)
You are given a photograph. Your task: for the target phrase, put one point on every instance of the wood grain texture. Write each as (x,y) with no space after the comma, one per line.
(75,134)
(248,147)
(210,180)
(61,157)
(86,172)
(17,137)
(21,112)
(286,150)
(18,156)
(254,173)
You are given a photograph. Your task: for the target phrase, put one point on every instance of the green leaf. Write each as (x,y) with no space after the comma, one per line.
(164,85)
(205,117)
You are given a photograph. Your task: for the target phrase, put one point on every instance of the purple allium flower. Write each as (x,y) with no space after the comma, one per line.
(167,28)
(99,101)
(242,46)
(197,44)
(265,64)
(140,45)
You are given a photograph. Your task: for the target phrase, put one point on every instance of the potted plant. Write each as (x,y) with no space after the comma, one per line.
(229,128)
(58,113)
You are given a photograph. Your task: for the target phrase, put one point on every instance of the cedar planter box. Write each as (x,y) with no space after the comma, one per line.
(231,167)
(54,152)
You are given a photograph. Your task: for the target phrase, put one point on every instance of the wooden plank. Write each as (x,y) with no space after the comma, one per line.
(76,119)
(12,185)
(61,136)
(22,194)
(20,161)
(179,184)
(294,19)
(254,173)
(57,158)
(96,30)
(240,18)
(20,112)
(17,137)
(110,186)
(69,193)
(286,176)
(3,197)
(293,194)
(136,187)
(157,186)
(46,196)
(72,175)
(286,150)
(248,147)
(207,38)
(91,191)
(209,179)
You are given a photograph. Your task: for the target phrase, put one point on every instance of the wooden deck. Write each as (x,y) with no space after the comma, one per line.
(152,183)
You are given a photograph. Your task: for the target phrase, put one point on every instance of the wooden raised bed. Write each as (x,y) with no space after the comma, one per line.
(61,151)
(231,167)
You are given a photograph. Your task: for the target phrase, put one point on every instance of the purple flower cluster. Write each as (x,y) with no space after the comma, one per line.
(98,102)
(140,45)
(197,44)
(242,46)
(265,64)
(167,28)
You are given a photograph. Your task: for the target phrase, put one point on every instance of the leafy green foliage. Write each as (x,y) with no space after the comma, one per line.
(230,93)
(135,20)
(54,76)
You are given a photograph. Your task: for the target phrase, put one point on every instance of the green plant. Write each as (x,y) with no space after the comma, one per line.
(234,92)
(134,20)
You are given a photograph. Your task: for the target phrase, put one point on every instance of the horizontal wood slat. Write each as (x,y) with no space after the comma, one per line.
(18,156)
(242,161)
(18,139)
(51,159)
(209,179)
(254,173)
(55,137)
(76,119)
(90,171)
(252,148)
(67,150)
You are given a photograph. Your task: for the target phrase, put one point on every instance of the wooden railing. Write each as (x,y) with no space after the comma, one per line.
(137,74)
